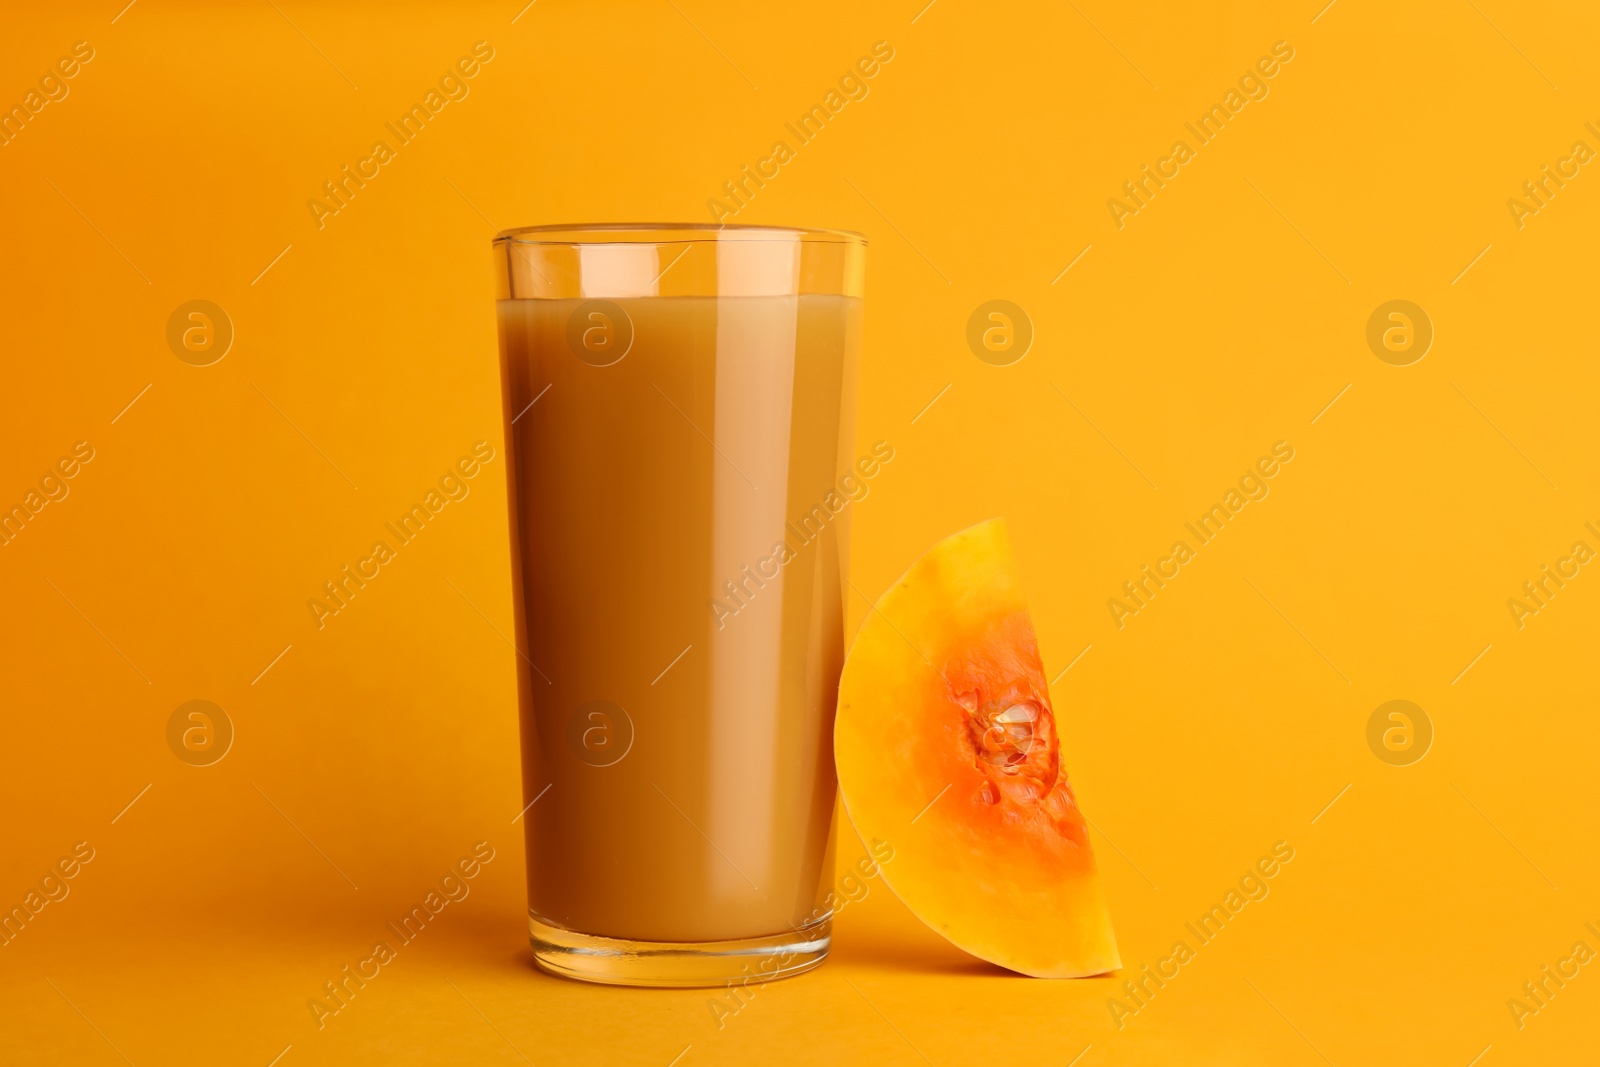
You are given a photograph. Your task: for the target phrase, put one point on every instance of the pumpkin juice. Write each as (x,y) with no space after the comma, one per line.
(674,474)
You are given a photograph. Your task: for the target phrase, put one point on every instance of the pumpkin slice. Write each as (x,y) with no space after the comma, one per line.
(947,749)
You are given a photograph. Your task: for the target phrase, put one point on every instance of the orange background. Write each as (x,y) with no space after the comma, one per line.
(1223,317)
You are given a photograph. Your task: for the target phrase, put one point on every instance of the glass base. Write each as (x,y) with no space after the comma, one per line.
(616,961)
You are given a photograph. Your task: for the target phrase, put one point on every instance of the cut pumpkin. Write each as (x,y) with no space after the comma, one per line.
(947,749)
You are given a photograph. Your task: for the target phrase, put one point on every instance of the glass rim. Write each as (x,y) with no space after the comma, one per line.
(653,233)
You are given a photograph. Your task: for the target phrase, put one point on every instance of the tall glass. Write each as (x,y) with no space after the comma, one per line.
(680,427)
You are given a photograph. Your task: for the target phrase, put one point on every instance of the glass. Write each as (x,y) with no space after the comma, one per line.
(680,403)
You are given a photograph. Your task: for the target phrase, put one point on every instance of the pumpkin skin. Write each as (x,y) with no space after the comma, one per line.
(947,749)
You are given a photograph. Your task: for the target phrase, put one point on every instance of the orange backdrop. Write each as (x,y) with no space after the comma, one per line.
(1199,219)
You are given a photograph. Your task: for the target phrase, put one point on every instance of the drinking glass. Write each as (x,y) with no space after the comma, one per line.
(679,402)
